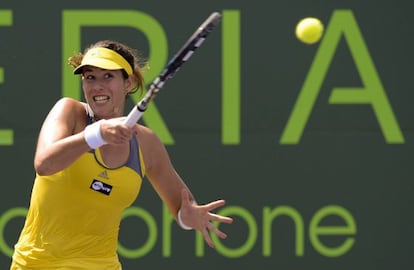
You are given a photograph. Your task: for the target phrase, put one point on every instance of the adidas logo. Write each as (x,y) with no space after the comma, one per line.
(104,174)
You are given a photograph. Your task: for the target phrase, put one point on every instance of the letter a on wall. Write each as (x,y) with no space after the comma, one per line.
(343,23)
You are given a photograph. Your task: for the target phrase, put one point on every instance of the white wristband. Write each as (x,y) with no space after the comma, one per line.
(93,136)
(181,223)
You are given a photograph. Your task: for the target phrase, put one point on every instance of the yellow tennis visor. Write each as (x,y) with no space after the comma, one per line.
(103,58)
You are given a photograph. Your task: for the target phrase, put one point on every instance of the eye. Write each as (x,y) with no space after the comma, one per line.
(108,75)
(89,77)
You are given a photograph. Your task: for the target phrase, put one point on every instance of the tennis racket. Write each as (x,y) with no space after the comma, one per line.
(182,56)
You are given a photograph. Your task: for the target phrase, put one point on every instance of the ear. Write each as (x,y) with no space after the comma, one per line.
(129,84)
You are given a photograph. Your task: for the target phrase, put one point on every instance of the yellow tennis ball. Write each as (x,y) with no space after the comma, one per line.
(309,30)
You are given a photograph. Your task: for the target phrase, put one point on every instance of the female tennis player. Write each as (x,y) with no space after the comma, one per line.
(90,166)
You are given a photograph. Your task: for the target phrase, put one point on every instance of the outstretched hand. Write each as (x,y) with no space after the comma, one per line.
(200,217)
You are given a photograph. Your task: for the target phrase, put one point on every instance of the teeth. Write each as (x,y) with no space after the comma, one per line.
(100,98)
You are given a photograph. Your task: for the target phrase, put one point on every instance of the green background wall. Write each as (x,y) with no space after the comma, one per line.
(350,170)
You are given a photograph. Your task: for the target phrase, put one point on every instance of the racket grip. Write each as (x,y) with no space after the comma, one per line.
(133,117)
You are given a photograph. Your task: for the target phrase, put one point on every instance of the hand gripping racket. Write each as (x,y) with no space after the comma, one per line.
(173,66)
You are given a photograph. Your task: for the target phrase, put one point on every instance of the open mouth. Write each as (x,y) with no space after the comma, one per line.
(101,99)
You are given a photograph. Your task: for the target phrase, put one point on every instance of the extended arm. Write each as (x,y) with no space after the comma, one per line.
(175,193)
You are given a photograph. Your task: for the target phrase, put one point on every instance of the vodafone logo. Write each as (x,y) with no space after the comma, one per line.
(101,187)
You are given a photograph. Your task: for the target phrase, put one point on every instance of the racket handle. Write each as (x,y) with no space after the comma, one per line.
(133,117)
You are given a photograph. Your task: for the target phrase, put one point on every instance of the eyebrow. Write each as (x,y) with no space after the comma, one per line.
(89,68)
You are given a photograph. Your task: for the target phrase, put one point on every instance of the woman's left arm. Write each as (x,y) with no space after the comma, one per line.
(174,192)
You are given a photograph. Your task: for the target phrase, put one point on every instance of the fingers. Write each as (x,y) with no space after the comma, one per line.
(216,204)
(115,132)
(202,217)
(207,238)
(210,228)
(216,231)
(219,218)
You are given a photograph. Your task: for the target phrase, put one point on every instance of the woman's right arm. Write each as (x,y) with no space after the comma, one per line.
(60,140)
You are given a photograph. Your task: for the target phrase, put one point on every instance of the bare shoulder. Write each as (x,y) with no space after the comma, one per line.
(153,150)
(71,104)
(65,105)
(69,112)
(147,135)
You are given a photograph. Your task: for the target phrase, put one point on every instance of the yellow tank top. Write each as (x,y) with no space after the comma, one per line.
(74,215)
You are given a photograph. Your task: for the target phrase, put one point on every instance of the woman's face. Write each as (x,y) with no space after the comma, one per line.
(105,91)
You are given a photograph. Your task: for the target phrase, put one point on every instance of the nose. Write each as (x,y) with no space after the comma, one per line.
(99,84)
